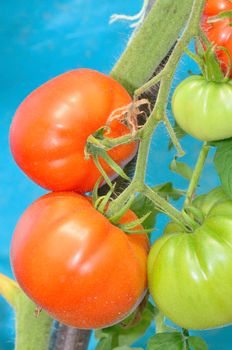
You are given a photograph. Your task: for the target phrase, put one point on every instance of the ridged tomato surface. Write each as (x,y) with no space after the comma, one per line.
(70,260)
(50,128)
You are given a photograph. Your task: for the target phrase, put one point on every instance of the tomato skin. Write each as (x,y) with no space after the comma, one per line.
(214,7)
(70,260)
(219,32)
(203,108)
(51,126)
(190,275)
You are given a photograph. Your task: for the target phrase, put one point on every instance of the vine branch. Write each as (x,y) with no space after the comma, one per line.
(158,114)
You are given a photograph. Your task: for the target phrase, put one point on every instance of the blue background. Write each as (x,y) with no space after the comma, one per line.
(39,40)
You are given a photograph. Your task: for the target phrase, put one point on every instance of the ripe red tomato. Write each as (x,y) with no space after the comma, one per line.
(51,126)
(219,32)
(70,260)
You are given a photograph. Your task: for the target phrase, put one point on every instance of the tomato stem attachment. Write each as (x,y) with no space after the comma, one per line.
(196,174)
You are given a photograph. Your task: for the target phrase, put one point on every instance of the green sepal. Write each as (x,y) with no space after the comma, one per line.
(114,165)
(102,171)
(220,16)
(105,200)
(181,169)
(95,191)
(134,223)
(115,218)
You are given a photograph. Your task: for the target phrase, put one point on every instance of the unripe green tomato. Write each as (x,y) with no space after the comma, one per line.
(206,202)
(203,108)
(190,274)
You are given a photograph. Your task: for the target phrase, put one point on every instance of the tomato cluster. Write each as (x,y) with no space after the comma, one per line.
(67,257)
(201,105)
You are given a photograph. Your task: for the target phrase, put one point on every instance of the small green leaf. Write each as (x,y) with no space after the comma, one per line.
(95,190)
(141,204)
(115,218)
(102,171)
(104,344)
(166,341)
(181,168)
(104,155)
(126,348)
(127,336)
(136,222)
(167,191)
(222,162)
(197,343)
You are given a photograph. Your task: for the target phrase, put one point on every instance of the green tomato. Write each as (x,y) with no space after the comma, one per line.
(190,274)
(203,108)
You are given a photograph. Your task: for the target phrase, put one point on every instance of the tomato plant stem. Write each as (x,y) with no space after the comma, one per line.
(164,206)
(151,42)
(31,332)
(159,114)
(196,174)
(173,136)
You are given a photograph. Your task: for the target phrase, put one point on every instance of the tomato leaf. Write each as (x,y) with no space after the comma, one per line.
(197,343)
(122,336)
(222,162)
(142,205)
(181,169)
(104,344)
(167,191)
(126,348)
(166,341)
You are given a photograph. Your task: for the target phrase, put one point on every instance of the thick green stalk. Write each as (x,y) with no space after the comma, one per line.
(151,43)
(196,174)
(159,111)
(32,333)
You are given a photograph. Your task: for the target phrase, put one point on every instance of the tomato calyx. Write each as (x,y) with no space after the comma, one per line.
(101,204)
(208,62)
(220,16)
(193,217)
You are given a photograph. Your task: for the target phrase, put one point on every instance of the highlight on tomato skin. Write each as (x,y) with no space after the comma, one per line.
(71,261)
(50,128)
(214,7)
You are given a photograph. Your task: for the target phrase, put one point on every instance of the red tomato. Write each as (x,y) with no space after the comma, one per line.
(51,126)
(70,260)
(219,32)
(214,7)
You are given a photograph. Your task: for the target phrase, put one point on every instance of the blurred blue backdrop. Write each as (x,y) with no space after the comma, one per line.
(39,40)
